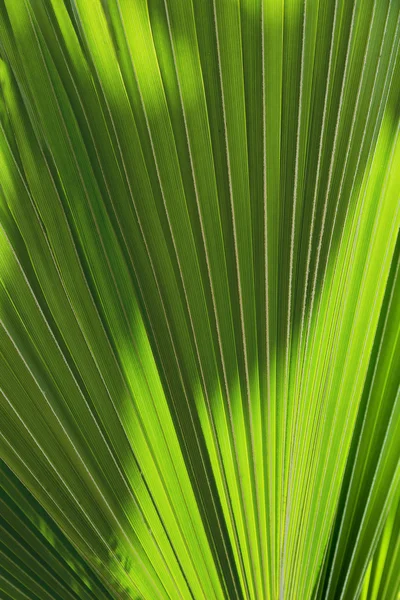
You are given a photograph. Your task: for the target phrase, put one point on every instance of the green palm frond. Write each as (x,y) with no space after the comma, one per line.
(199,299)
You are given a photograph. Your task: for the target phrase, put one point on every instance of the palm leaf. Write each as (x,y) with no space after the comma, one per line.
(199,374)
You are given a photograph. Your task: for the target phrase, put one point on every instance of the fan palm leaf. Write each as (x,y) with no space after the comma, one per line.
(199,299)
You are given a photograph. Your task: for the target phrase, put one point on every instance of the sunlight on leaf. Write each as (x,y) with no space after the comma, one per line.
(199,299)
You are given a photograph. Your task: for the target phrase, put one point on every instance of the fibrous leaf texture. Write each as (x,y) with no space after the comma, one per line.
(199,299)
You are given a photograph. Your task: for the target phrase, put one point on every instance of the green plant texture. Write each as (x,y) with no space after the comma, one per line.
(199,299)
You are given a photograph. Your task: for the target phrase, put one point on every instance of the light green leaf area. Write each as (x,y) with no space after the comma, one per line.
(199,299)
